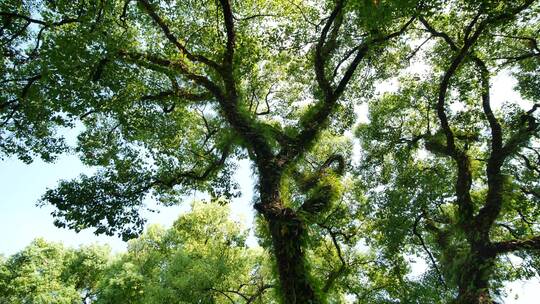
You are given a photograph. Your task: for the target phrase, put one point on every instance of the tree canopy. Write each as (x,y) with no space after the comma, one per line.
(169,95)
(203,258)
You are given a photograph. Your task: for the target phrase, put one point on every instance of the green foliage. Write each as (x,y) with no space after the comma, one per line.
(202,258)
(49,273)
(414,180)
(169,95)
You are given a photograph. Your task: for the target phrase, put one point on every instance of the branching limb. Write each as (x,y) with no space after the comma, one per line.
(529,164)
(37,21)
(174,40)
(172,67)
(177,93)
(464,180)
(322,48)
(511,230)
(45,26)
(426,249)
(15,104)
(193,175)
(492,207)
(418,48)
(517,245)
(436,33)
(247,298)
(529,128)
(334,275)
(530,192)
(228,17)
(313,121)
(224,293)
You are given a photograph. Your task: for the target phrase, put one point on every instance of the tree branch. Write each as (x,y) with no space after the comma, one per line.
(37,21)
(426,249)
(170,36)
(193,175)
(334,275)
(172,67)
(517,245)
(313,121)
(492,207)
(228,17)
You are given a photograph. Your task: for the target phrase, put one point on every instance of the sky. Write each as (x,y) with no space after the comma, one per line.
(21,220)
(22,185)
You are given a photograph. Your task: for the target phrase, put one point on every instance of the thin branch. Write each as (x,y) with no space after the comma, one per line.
(193,175)
(145,59)
(253,17)
(418,48)
(436,33)
(24,93)
(334,275)
(529,128)
(224,293)
(306,19)
(426,249)
(528,163)
(37,21)
(170,36)
(523,217)
(509,229)
(362,52)
(532,41)
(267,111)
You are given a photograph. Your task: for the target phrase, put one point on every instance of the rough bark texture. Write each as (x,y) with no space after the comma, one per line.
(287,232)
(473,284)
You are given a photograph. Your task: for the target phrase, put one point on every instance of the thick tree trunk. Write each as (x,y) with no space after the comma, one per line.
(470,296)
(474,279)
(288,235)
(287,238)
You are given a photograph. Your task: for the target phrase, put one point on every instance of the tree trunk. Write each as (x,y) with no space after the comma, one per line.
(287,233)
(478,296)
(474,280)
(288,240)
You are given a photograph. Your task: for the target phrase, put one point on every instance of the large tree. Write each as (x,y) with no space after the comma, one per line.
(171,93)
(463,170)
(202,258)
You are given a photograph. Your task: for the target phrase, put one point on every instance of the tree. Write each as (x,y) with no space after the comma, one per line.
(50,273)
(457,176)
(203,258)
(170,93)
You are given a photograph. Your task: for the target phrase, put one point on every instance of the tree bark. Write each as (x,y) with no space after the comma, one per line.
(288,233)
(473,283)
